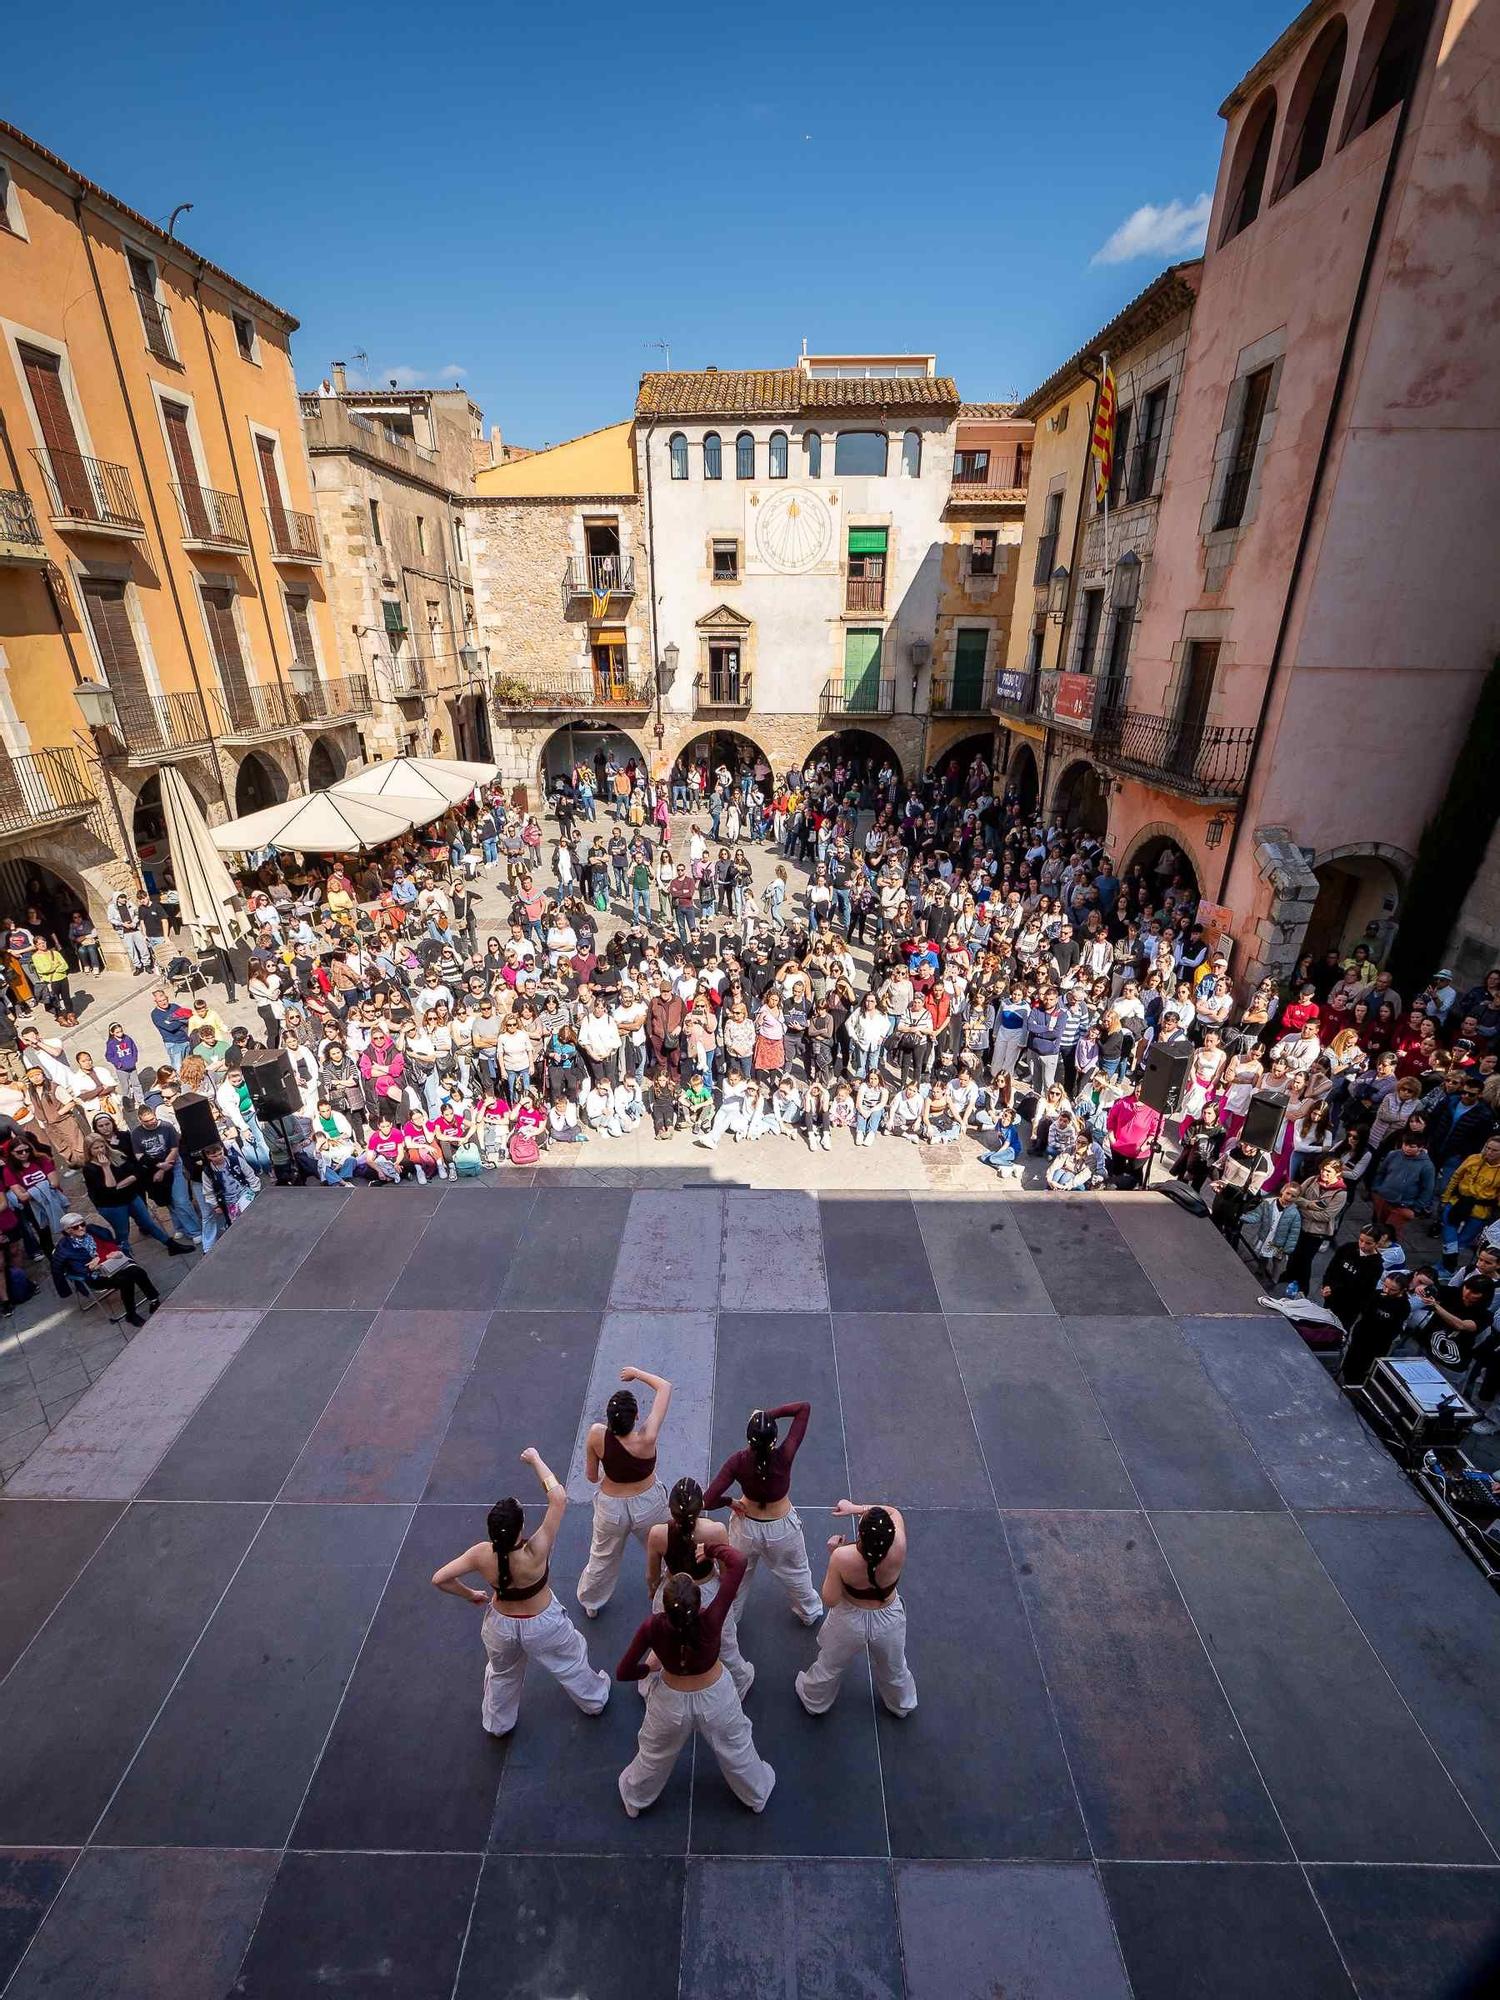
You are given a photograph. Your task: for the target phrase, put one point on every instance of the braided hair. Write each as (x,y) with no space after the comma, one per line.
(680,1602)
(503,1524)
(761,1435)
(875,1539)
(621,1412)
(685,1504)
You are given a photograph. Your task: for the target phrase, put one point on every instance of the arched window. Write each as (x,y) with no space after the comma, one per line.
(778,454)
(1252,155)
(1394,39)
(677,446)
(860,454)
(812,451)
(911,455)
(1310,112)
(713,456)
(744,456)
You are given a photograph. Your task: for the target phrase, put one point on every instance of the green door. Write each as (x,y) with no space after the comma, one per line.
(969,652)
(862,672)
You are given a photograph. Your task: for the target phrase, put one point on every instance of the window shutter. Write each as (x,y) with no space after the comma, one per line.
(303,651)
(224,635)
(271,479)
(868,541)
(114,636)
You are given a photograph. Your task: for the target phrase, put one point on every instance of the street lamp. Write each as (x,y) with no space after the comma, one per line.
(1057,594)
(97,705)
(1214,832)
(666,673)
(1126,593)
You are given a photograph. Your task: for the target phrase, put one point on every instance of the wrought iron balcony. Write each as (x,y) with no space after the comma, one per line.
(962,694)
(211,520)
(584,689)
(865,697)
(598,576)
(294,537)
(1206,762)
(89,493)
(260,708)
(150,725)
(1016,691)
(156,322)
(42,788)
(720,690)
(331,701)
(20,533)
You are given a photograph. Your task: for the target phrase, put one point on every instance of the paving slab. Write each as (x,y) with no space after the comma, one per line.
(1414,1933)
(463,1255)
(363,1251)
(670,1254)
(773,1253)
(44,1544)
(526,1388)
(251,1265)
(1186,1259)
(975,1930)
(979,1259)
(676,1345)
(765,1360)
(810,1929)
(874,1254)
(566,1257)
(1240,1933)
(1045,1440)
(30,1878)
(605,1926)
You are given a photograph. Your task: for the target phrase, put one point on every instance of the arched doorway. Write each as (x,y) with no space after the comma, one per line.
(326,764)
(1022,778)
(148,830)
(958,759)
(591,743)
(728,749)
(38,897)
(258,783)
(1168,868)
(859,750)
(1079,804)
(1355,891)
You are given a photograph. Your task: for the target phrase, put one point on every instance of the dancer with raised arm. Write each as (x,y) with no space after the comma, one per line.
(864,1609)
(523,1620)
(683,1546)
(679,1646)
(621,1462)
(765,1524)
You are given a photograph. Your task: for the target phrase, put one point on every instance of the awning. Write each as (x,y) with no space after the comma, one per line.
(325,823)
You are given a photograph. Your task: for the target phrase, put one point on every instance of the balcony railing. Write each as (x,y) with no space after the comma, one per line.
(962,694)
(156,320)
(20,533)
(40,787)
(328,701)
(211,520)
(1016,691)
(89,492)
(259,708)
(973,474)
(1209,762)
(329,425)
(865,697)
(294,536)
(598,576)
(864,593)
(713,690)
(151,724)
(594,688)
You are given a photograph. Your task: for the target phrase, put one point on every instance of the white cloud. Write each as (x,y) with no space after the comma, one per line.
(1178,229)
(454,372)
(415,378)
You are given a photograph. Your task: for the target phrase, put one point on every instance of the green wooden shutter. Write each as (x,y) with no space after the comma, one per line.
(969,652)
(867,541)
(862,671)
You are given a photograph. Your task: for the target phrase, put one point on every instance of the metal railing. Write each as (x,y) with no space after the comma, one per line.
(325,701)
(329,425)
(215,519)
(41,786)
(408,676)
(82,489)
(18,522)
(260,707)
(294,535)
(962,694)
(156,320)
(598,576)
(972,474)
(865,697)
(718,690)
(1207,762)
(864,593)
(575,688)
(156,722)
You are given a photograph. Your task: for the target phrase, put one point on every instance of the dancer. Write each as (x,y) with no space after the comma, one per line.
(523,1620)
(765,1522)
(631,1499)
(684,1546)
(690,1690)
(863,1610)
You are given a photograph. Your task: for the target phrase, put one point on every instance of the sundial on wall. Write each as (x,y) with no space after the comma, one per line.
(793,530)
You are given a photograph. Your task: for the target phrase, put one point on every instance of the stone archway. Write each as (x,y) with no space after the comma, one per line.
(591,743)
(733,748)
(1359,885)
(259,782)
(1079,803)
(860,747)
(962,752)
(1022,777)
(1148,851)
(326,763)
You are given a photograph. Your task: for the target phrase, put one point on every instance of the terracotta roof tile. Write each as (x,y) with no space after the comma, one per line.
(749,392)
(1173,292)
(986,496)
(985,412)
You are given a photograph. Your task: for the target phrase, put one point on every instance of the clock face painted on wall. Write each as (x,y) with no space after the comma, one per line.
(793,530)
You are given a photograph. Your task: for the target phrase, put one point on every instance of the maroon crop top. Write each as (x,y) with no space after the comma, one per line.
(623,1465)
(687,1652)
(743,1469)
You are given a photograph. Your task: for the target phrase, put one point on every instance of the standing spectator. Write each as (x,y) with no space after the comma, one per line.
(170,1020)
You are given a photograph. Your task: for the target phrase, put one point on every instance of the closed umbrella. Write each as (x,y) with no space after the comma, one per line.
(206,895)
(416,778)
(324,823)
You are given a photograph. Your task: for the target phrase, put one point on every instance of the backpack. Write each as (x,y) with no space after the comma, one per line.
(467,1161)
(524,1151)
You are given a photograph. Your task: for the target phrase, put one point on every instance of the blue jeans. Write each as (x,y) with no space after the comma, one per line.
(328,1173)
(864,1062)
(844,902)
(1459,1234)
(516,1080)
(185,1217)
(586,806)
(640,904)
(176,1052)
(119,1215)
(867,1123)
(254,1147)
(679,798)
(491,851)
(684,921)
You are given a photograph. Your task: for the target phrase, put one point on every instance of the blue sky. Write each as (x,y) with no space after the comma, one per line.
(525,201)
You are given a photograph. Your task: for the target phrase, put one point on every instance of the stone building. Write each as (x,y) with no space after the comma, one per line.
(982,523)
(162,581)
(392,471)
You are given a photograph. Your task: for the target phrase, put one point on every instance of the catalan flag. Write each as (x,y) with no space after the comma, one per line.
(1102,444)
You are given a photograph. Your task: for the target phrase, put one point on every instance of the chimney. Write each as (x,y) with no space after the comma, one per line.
(340,379)
(497,446)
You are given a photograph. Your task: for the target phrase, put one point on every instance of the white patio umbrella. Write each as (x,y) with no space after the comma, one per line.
(206,895)
(417,778)
(324,823)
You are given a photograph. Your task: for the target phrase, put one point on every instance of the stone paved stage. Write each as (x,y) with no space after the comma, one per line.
(1207,1697)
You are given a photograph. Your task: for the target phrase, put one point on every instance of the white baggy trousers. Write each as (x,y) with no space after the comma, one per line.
(735,1664)
(780,1545)
(670,1719)
(847,1630)
(616,1519)
(554,1642)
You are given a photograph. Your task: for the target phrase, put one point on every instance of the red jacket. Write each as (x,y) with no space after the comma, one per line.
(1131,1126)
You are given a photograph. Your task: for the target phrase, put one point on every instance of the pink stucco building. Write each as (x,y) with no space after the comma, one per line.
(1322,598)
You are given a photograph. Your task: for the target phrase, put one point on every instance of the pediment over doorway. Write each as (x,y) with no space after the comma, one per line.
(723,618)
